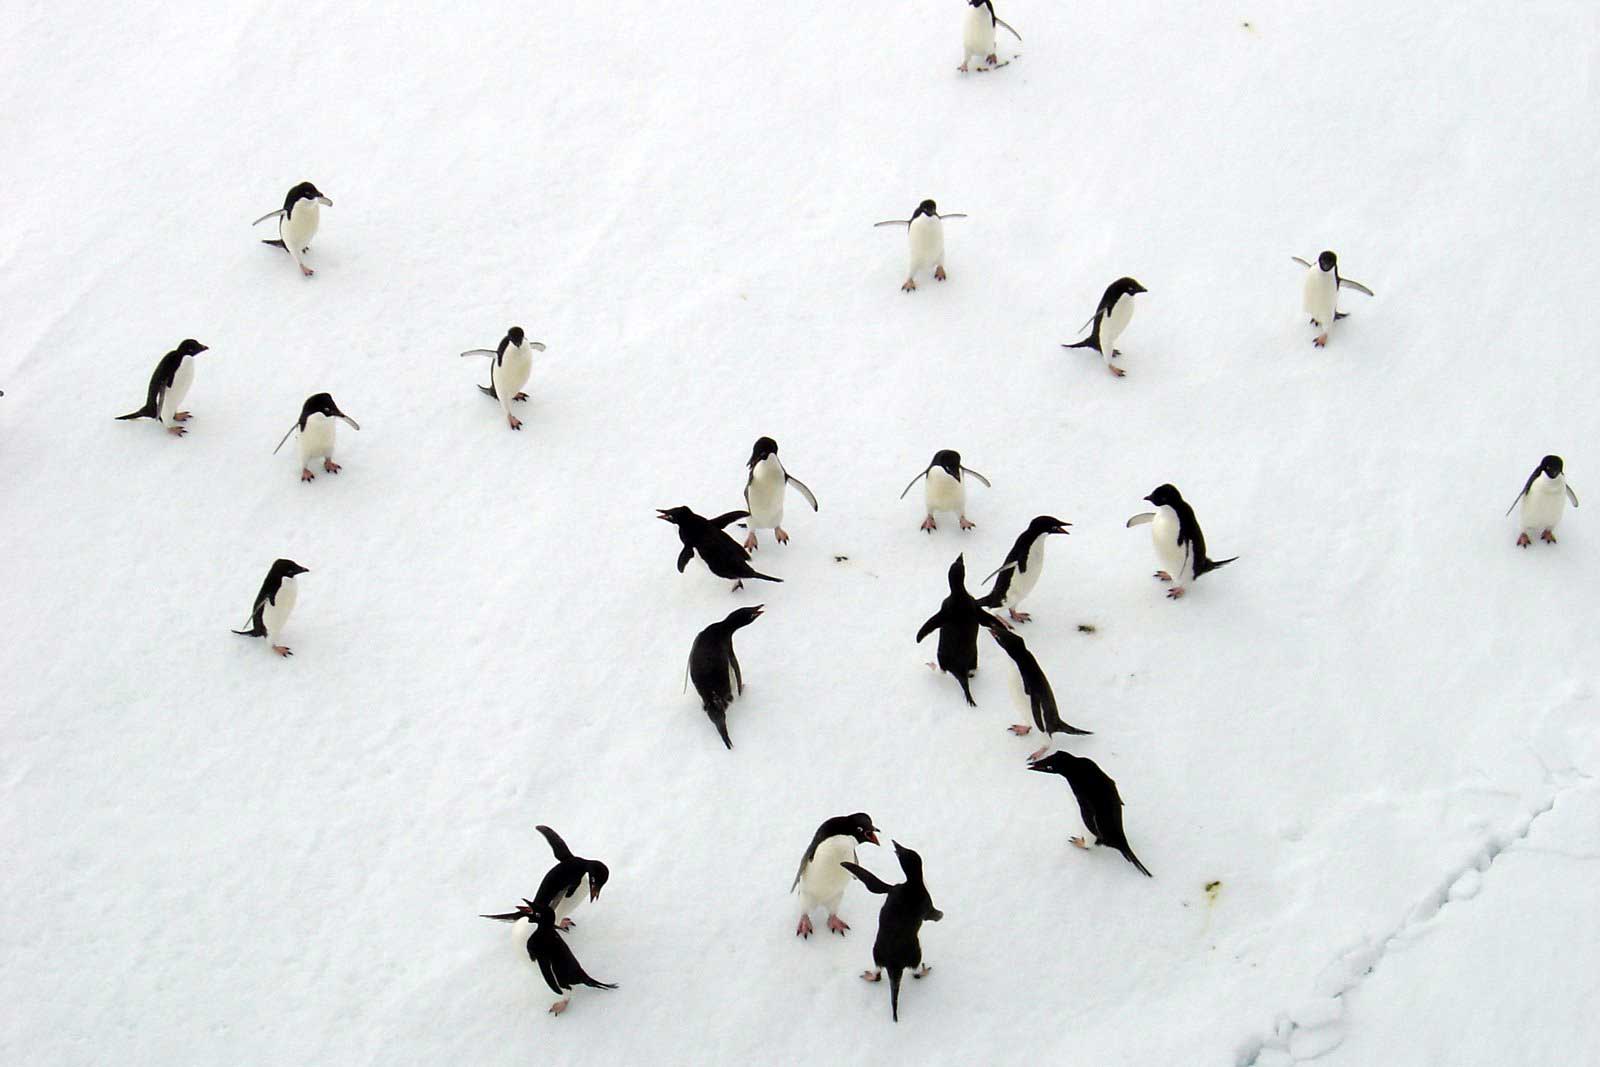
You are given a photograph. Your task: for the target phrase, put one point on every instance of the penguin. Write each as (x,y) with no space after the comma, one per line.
(1180,546)
(1110,319)
(561,970)
(722,555)
(297,222)
(897,948)
(169,384)
(945,491)
(1016,577)
(957,621)
(764,490)
(978,33)
(1031,691)
(513,361)
(564,886)
(274,603)
(715,669)
(1543,498)
(1098,802)
(926,231)
(316,433)
(821,879)
(1321,298)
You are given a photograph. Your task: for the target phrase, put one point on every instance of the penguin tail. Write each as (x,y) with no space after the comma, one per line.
(488,390)
(764,577)
(992,599)
(1087,342)
(1211,565)
(719,719)
(966,690)
(1127,854)
(895,974)
(254,631)
(277,244)
(146,412)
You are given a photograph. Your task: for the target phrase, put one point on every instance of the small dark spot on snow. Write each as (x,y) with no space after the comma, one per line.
(841,559)
(1086,628)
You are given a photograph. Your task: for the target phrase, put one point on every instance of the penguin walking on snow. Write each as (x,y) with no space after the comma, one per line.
(274,603)
(926,231)
(957,621)
(169,384)
(1321,298)
(714,668)
(1031,691)
(1016,577)
(945,491)
(978,34)
(1180,546)
(561,970)
(513,362)
(898,948)
(765,489)
(822,878)
(1544,499)
(722,555)
(564,886)
(1098,802)
(297,222)
(317,433)
(1110,319)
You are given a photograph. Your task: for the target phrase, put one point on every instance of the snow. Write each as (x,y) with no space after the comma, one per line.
(215,855)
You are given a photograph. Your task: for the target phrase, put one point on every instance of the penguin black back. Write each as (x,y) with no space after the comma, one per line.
(722,555)
(1189,533)
(907,906)
(957,621)
(1017,559)
(162,378)
(1099,803)
(280,569)
(1046,716)
(566,877)
(714,668)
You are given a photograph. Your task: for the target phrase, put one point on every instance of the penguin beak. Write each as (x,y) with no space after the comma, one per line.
(324,201)
(205,348)
(873,836)
(1148,498)
(354,425)
(1039,767)
(934,915)
(594,892)
(1062,529)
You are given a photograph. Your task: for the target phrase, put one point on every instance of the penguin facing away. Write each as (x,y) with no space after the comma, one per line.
(560,968)
(898,947)
(1544,499)
(764,490)
(821,877)
(722,555)
(1321,294)
(564,886)
(1032,693)
(1179,544)
(169,384)
(1099,803)
(925,230)
(1017,576)
(513,362)
(957,621)
(297,222)
(274,603)
(945,491)
(1110,319)
(978,34)
(714,668)
(317,433)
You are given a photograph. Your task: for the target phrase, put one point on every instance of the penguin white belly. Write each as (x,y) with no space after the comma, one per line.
(733,683)
(276,614)
(567,905)
(316,440)
(1115,322)
(300,226)
(1321,296)
(1543,506)
(1022,582)
(172,399)
(764,498)
(927,243)
(945,493)
(1174,559)
(977,35)
(511,373)
(824,881)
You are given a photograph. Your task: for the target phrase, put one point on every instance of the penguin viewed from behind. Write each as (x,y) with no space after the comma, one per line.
(317,433)
(168,386)
(926,232)
(897,948)
(513,362)
(957,621)
(1032,693)
(1543,498)
(564,886)
(764,491)
(274,603)
(1180,546)
(1016,577)
(715,669)
(977,34)
(1098,802)
(1110,319)
(722,555)
(945,491)
(1321,298)
(561,970)
(822,877)
(297,222)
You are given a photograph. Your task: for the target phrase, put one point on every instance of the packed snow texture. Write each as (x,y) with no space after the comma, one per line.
(1374,732)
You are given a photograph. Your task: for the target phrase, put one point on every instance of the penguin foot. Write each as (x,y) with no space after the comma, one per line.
(1019,616)
(306,475)
(968,524)
(330,466)
(282,650)
(1175,593)
(560,1006)
(872,976)
(750,542)
(962,68)
(938,274)
(1524,540)
(934,667)
(911,284)
(307,271)
(1548,537)
(176,431)
(1115,352)
(1020,730)
(783,538)
(991,59)
(1321,340)
(1039,754)
(1116,372)
(837,925)
(520,396)
(514,422)
(1163,575)
(928,524)
(804,929)
(1080,842)
(566,924)
(922,972)
(182,416)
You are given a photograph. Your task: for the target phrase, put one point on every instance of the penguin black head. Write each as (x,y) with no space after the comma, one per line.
(322,404)
(1128,286)
(1551,466)
(949,461)
(958,574)
(190,347)
(515,335)
(1047,524)
(676,516)
(286,568)
(1165,496)
(1062,763)
(599,873)
(764,447)
(927,207)
(1327,261)
(307,191)
(858,826)
(740,617)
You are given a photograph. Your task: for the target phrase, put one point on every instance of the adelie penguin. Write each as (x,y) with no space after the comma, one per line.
(1098,802)
(169,384)
(561,970)
(1110,319)
(765,489)
(957,621)
(722,555)
(1321,297)
(898,947)
(945,491)
(978,35)
(1544,499)
(1031,691)
(513,362)
(565,886)
(925,230)
(714,668)
(317,433)
(1016,577)
(274,603)
(822,877)
(297,222)
(1179,544)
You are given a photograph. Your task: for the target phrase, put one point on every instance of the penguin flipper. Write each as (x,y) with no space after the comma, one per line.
(957,214)
(1346,283)
(892,222)
(683,557)
(929,626)
(1302,262)
(479,352)
(1140,520)
(721,521)
(548,970)
(1003,567)
(912,482)
(278,214)
(873,883)
(285,436)
(998,21)
(558,847)
(975,474)
(1572,496)
(805,490)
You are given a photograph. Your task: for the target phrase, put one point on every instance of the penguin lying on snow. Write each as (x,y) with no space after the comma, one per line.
(925,230)
(1110,319)
(317,433)
(897,948)
(563,887)
(957,621)
(1032,693)
(513,362)
(168,386)
(561,970)
(764,491)
(274,603)
(945,491)
(1544,499)
(715,669)
(977,34)
(1016,577)
(1180,546)
(1321,298)
(722,555)
(822,877)
(1098,802)
(297,222)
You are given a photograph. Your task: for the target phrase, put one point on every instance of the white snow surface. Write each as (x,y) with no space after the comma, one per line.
(216,856)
